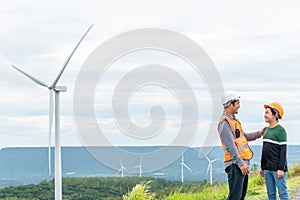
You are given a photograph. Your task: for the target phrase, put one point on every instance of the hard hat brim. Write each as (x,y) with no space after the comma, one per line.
(270,106)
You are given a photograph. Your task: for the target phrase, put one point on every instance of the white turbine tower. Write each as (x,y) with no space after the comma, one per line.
(182,167)
(57,90)
(140,167)
(122,168)
(209,167)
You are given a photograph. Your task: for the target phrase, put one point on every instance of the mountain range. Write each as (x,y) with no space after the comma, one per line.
(29,165)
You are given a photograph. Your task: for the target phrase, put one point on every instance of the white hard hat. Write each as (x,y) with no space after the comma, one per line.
(230,96)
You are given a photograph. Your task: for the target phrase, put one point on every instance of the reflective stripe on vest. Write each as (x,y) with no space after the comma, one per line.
(240,142)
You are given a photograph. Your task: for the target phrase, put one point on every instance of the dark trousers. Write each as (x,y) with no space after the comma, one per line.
(238,183)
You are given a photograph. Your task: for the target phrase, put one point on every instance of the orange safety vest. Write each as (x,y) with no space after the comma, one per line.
(240,141)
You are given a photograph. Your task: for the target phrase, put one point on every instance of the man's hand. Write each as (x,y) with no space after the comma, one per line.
(261,173)
(245,169)
(280,173)
(261,132)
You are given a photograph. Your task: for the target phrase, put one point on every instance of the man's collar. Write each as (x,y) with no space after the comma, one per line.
(229,115)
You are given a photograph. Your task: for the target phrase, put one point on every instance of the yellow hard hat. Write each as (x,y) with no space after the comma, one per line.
(277,107)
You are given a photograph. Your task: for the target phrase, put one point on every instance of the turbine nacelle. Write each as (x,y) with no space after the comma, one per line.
(60,88)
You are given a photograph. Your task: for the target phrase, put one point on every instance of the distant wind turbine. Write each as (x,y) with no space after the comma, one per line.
(57,90)
(182,167)
(209,167)
(122,168)
(140,167)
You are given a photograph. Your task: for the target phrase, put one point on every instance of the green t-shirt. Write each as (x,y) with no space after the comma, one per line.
(274,149)
(275,135)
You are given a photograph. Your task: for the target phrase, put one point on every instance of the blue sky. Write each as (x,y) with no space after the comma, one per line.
(254,46)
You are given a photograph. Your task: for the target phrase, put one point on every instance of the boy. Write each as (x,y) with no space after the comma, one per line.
(273,160)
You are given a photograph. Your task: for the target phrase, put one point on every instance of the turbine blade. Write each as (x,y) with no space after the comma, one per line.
(121,164)
(207,158)
(31,77)
(50,128)
(69,58)
(214,160)
(187,167)
(207,170)
(119,171)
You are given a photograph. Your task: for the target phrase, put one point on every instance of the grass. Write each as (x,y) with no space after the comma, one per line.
(219,191)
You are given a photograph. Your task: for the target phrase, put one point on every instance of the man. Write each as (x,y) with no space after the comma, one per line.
(237,153)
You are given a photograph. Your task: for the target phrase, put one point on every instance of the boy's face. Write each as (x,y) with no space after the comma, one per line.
(269,117)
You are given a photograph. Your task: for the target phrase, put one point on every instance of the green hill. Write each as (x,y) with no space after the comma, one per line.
(112,188)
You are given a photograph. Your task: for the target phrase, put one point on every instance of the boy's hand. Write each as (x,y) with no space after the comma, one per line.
(280,173)
(261,173)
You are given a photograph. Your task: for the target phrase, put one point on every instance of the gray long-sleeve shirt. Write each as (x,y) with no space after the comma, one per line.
(225,132)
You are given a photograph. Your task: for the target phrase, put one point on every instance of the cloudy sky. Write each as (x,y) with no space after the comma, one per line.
(253,45)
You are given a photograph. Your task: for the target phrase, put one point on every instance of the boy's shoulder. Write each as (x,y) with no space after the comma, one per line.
(280,128)
(277,134)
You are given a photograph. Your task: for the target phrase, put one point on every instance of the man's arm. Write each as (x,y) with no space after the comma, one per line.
(254,135)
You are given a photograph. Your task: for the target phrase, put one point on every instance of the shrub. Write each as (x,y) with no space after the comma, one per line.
(258,180)
(140,192)
(295,171)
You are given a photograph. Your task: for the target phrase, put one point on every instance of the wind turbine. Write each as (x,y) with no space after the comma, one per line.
(122,168)
(182,167)
(209,167)
(57,90)
(140,167)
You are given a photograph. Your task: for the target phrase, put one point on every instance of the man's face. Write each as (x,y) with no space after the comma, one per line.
(235,107)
